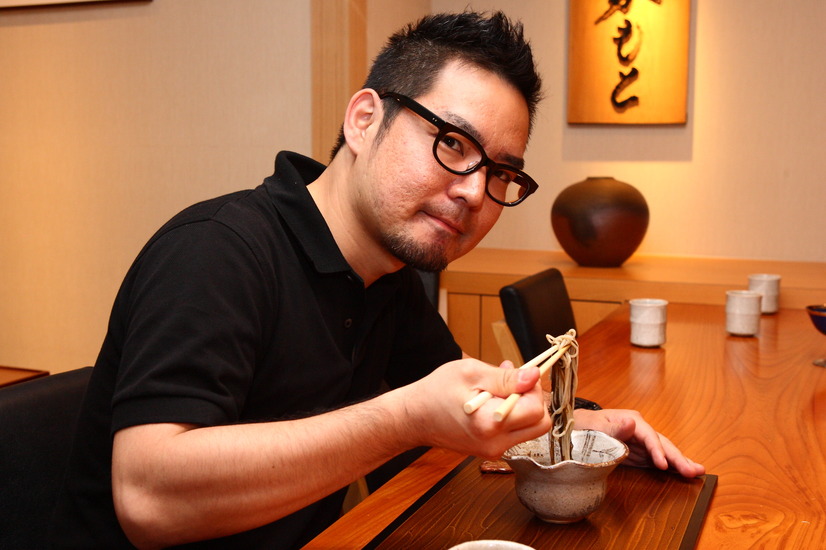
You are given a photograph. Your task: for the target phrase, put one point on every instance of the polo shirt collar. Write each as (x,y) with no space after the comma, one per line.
(287,189)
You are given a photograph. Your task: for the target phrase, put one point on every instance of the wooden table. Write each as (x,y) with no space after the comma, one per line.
(13,375)
(753,410)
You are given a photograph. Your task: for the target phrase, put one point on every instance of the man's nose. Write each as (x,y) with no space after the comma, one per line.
(471,187)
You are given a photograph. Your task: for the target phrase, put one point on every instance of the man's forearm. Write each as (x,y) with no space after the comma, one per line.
(175,483)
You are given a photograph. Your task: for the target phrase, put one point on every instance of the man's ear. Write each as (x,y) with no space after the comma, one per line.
(362,119)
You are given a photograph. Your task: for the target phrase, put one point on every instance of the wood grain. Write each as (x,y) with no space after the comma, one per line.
(359,526)
(339,55)
(643,509)
(752,410)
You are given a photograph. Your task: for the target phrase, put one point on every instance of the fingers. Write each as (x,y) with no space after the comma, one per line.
(652,443)
(646,446)
(679,462)
(434,405)
(516,390)
(664,455)
(506,382)
(512,380)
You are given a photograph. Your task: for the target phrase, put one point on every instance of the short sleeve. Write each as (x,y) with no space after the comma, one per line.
(198,303)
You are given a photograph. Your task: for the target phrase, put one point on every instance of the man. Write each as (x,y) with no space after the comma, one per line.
(236,393)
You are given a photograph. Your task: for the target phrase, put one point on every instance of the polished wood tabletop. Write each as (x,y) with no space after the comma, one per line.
(752,410)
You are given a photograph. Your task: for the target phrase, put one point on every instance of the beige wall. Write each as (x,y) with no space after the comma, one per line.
(384,17)
(113,118)
(346,36)
(744,178)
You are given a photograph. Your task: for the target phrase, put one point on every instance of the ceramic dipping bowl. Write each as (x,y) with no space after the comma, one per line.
(567,491)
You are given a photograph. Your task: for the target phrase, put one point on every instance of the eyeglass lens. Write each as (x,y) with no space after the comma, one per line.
(460,155)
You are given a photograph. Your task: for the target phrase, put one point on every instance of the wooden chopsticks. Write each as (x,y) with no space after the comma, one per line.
(545,360)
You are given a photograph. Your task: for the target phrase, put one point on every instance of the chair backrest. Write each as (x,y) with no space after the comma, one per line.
(37,425)
(536,306)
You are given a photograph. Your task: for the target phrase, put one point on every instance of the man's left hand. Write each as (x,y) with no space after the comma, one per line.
(646,446)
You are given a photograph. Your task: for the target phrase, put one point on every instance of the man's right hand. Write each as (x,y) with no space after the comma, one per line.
(435,404)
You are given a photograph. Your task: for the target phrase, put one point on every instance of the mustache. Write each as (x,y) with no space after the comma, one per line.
(454,214)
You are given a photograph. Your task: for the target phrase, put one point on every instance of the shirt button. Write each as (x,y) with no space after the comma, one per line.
(348,323)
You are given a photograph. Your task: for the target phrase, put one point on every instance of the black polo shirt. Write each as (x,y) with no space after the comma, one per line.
(243,309)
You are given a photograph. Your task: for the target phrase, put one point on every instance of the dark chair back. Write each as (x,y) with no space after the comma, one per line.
(37,425)
(536,306)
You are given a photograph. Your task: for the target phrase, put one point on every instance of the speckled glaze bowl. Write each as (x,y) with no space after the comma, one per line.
(570,490)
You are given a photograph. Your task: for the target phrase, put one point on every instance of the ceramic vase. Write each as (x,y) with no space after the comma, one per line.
(569,490)
(600,222)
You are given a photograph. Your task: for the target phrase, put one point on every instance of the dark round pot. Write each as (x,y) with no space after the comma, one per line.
(600,222)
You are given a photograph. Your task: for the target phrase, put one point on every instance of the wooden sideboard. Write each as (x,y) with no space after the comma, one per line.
(471,286)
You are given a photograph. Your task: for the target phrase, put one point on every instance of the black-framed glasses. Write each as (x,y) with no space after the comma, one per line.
(459,153)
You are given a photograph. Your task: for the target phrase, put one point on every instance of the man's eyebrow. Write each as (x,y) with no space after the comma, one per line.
(462,123)
(516,162)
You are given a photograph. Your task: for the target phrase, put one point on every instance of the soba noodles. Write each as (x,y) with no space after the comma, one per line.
(563,393)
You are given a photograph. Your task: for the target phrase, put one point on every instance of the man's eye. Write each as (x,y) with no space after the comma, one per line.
(453,143)
(503,175)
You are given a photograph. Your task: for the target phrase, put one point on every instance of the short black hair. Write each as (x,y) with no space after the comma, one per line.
(412,59)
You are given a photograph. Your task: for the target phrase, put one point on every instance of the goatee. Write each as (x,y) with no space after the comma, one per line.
(418,255)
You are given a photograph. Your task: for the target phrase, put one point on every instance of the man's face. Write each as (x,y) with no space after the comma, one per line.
(419,212)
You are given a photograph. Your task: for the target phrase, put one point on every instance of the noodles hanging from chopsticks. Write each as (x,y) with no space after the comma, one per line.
(563,393)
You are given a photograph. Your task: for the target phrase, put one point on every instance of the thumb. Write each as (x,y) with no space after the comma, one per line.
(511,380)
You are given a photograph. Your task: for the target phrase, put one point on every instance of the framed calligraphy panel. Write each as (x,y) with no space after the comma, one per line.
(628,61)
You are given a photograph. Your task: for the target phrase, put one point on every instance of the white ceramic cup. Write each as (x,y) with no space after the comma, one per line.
(743,312)
(768,285)
(648,316)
